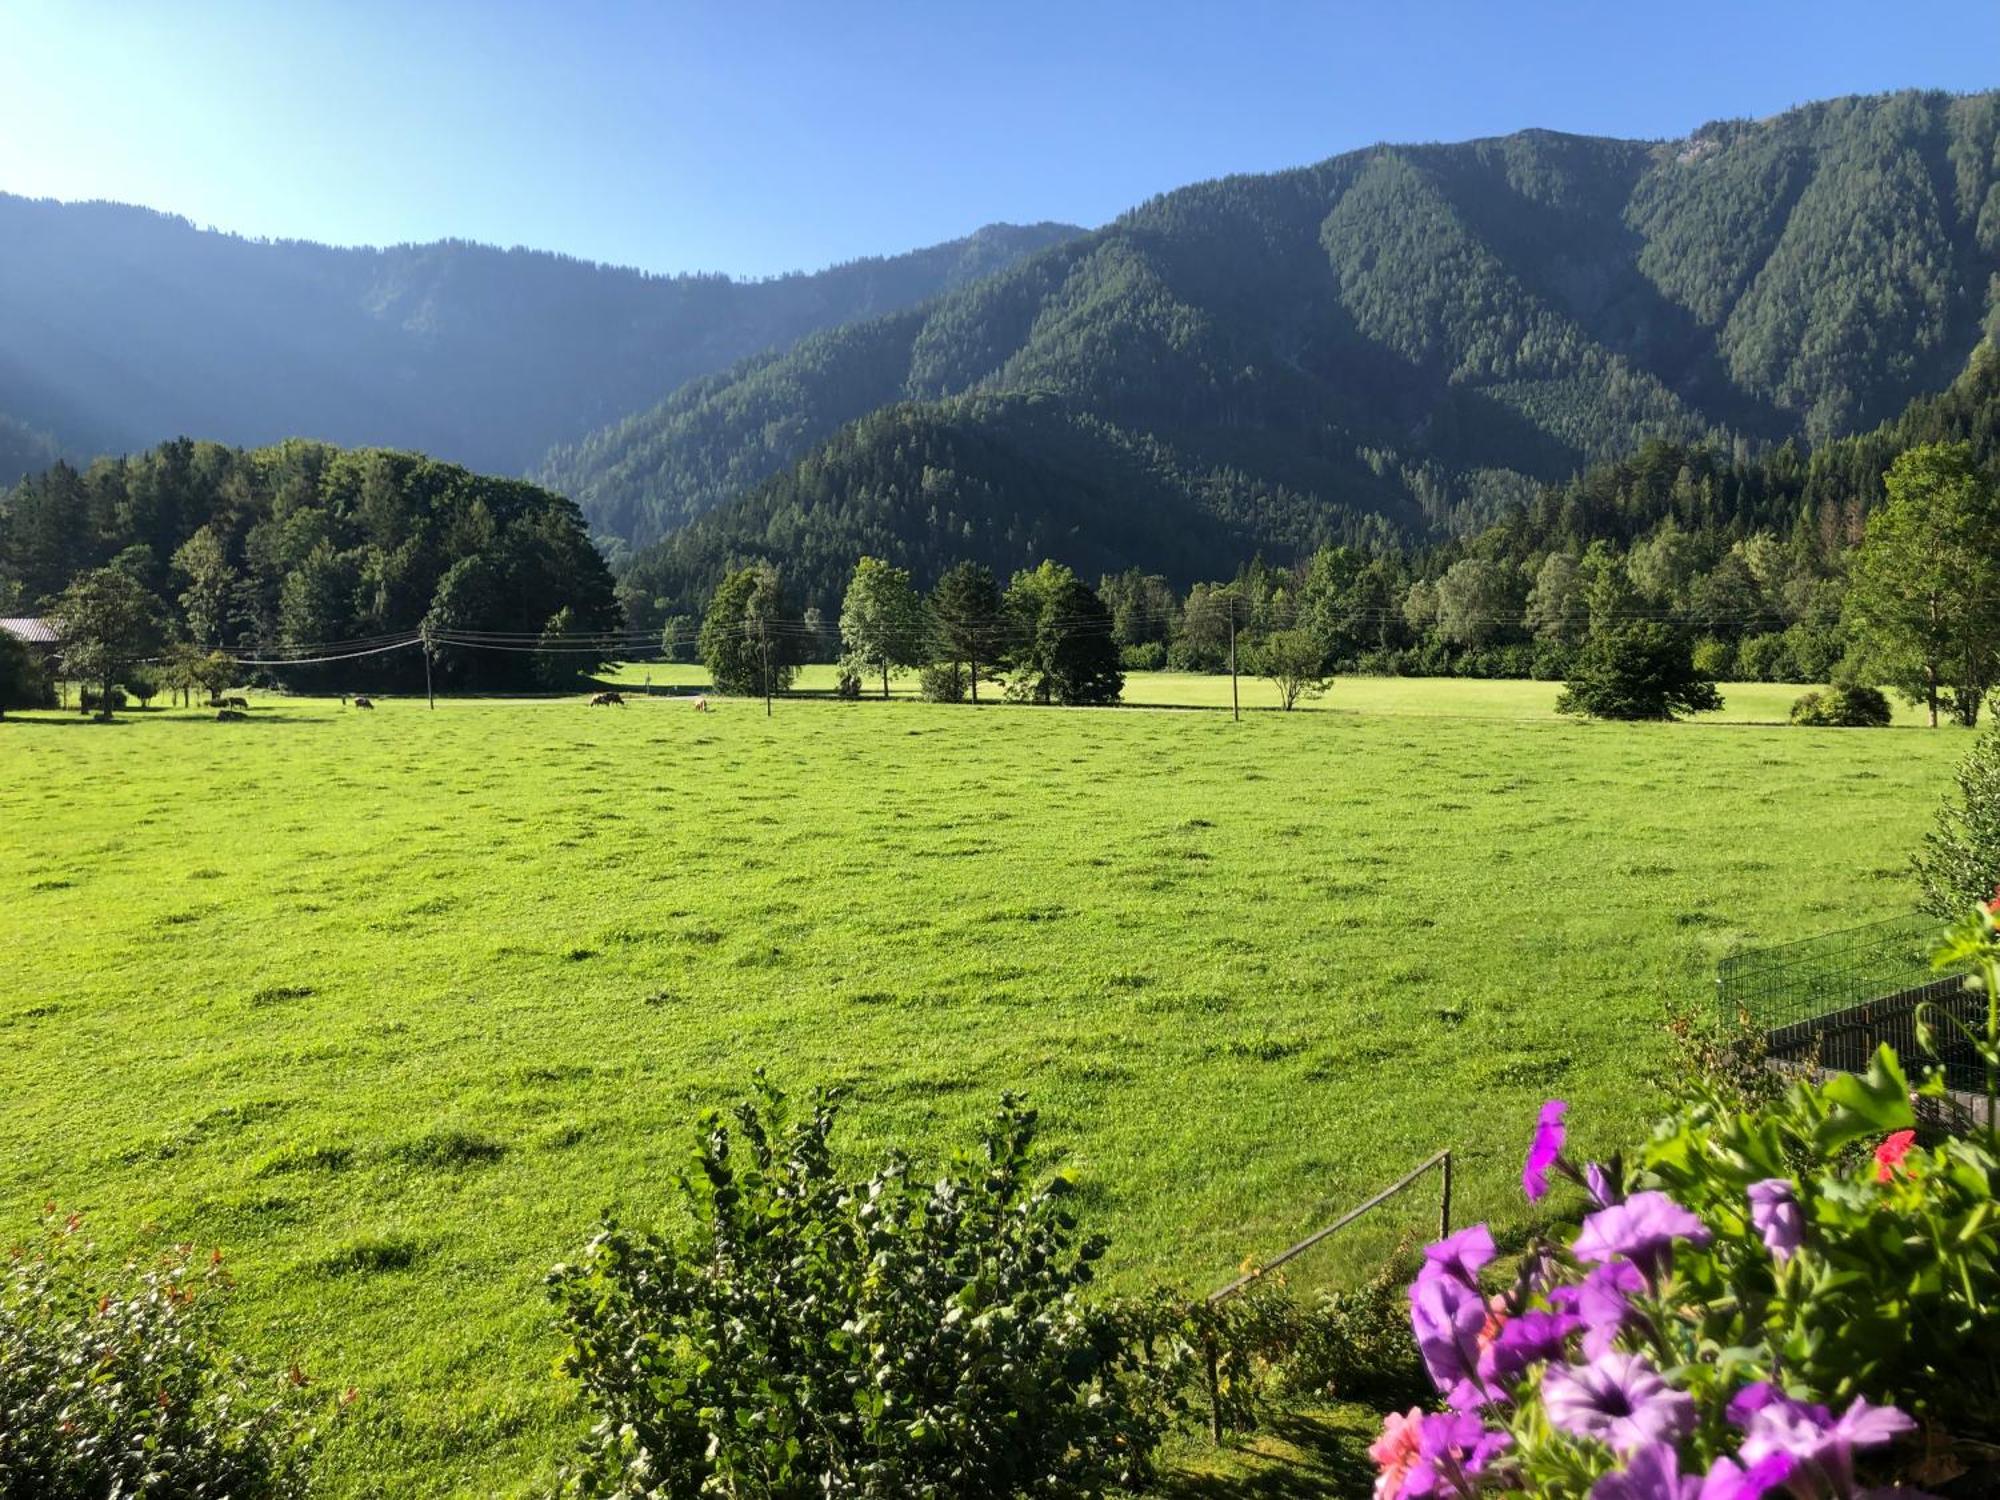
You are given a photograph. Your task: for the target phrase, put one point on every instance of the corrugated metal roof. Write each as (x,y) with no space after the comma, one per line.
(36,632)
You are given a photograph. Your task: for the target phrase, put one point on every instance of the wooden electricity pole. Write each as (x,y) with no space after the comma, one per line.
(1235,703)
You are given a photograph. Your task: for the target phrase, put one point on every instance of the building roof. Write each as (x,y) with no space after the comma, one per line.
(29,628)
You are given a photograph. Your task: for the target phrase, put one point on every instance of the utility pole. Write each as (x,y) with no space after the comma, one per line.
(1235,703)
(430,692)
(767,671)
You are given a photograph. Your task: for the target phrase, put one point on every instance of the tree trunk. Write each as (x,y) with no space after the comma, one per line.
(885,679)
(974,664)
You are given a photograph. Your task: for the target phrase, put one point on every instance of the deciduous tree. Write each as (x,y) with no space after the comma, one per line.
(105,621)
(882,624)
(1924,591)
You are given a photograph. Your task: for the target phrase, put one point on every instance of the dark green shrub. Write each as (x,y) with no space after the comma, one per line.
(943,682)
(112,1383)
(24,677)
(1636,670)
(93,700)
(1356,1345)
(1849,706)
(812,1336)
(1959,863)
(1147,656)
(847,684)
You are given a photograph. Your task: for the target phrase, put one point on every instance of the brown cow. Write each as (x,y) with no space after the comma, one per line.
(363,702)
(235,702)
(605,700)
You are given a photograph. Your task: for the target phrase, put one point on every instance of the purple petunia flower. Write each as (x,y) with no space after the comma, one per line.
(1775,1211)
(1642,1229)
(1603,1302)
(1819,1446)
(1463,1255)
(1544,1151)
(1618,1399)
(1602,1188)
(1654,1473)
(1448,1317)
(1453,1449)
(1528,1338)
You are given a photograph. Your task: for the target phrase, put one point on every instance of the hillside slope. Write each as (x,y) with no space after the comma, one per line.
(120,327)
(1418,334)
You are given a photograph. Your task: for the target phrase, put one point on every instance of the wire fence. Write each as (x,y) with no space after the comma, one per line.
(1828,1002)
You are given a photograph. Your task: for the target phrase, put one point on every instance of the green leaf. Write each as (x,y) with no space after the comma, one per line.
(1874,1103)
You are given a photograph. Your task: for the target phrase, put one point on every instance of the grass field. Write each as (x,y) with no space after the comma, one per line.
(390,1006)
(1743,702)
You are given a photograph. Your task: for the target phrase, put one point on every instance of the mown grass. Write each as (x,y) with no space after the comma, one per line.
(390,1005)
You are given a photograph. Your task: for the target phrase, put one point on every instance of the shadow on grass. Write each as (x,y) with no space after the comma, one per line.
(1314,1452)
(59,720)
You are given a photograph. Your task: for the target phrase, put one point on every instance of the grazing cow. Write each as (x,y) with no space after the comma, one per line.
(701,705)
(235,702)
(232,716)
(361,701)
(605,700)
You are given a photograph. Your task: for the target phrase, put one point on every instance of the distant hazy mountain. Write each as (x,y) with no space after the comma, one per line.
(120,327)
(1397,337)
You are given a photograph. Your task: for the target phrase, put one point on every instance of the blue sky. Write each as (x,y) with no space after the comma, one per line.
(756,137)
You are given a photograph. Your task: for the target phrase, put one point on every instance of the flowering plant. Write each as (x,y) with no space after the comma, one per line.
(1755,1306)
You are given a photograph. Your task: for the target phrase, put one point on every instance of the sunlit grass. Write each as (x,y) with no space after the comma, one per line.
(390,1005)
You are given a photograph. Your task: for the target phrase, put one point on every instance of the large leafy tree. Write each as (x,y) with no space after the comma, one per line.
(208,603)
(1636,669)
(882,623)
(737,628)
(966,606)
(1065,652)
(1476,600)
(1924,592)
(106,622)
(1294,664)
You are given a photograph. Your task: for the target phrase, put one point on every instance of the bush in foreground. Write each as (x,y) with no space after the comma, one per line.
(1765,1306)
(1842,706)
(1960,860)
(112,1384)
(816,1337)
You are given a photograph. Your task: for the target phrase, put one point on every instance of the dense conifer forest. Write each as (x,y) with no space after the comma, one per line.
(1400,340)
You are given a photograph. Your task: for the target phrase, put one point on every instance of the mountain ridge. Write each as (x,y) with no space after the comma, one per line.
(120,326)
(1467,322)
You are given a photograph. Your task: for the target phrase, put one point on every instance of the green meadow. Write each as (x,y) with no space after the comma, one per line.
(391,1006)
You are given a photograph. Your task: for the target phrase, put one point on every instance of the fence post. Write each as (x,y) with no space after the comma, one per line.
(1214,1390)
(1444,1201)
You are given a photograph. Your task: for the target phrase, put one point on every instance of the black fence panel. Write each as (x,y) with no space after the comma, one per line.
(1829,1002)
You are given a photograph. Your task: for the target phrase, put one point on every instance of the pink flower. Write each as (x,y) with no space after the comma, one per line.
(1395,1451)
(1889,1155)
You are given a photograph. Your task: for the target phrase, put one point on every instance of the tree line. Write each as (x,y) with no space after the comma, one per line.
(1045,638)
(198,553)
(1865,559)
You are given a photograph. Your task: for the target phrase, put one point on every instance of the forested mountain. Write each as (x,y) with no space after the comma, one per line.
(1406,338)
(120,327)
(306,550)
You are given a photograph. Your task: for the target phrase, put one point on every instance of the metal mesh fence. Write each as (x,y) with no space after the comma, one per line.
(1830,1001)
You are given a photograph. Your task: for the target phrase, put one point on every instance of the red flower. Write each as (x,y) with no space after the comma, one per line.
(1889,1155)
